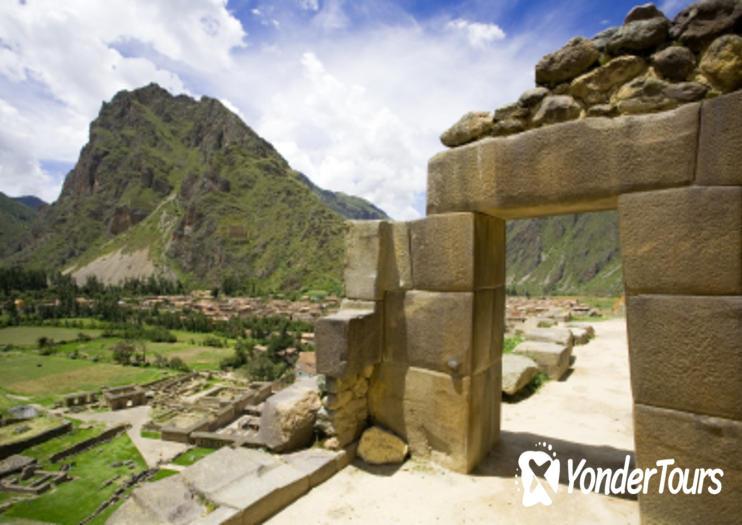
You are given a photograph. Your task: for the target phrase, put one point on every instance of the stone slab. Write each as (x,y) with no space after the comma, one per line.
(552,358)
(262,495)
(720,141)
(225,466)
(682,241)
(348,341)
(561,336)
(573,167)
(167,501)
(686,353)
(580,336)
(216,517)
(454,421)
(457,252)
(693,441)
(452,332)
(517,372)
(318,464)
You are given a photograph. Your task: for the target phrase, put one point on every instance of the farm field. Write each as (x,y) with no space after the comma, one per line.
(42,377)
(29,335)
(190,346)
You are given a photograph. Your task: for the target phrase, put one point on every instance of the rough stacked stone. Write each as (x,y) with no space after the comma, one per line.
(344,411)
(649,64)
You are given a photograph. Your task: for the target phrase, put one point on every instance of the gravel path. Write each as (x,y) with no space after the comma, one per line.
(152,450)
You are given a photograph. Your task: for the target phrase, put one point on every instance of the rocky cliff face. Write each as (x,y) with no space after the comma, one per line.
(190,183)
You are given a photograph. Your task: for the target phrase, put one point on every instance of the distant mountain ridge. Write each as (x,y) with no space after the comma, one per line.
(183,188)
(565,255)
(31,201)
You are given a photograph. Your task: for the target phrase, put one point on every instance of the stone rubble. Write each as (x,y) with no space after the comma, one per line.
(380,447)
(648,64)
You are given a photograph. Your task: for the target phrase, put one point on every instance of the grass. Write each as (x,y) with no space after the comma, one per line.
(162,474)
(150,434)
(47,376)
(189,457)
(189,348)
(71,502)
(35,426)
(29,335)
(42,451)
(510,343)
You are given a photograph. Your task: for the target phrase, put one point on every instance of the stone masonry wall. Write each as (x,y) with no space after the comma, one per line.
(417,345)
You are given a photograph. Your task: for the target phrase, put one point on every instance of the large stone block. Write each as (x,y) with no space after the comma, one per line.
(453,420)
(693,441)
(457,252)
(720,141)
(517,372)
(348,341)
(552,358)
(366,253)
(533,173)
(686,353)
(561,336)
(457,333)
(287,420)
(682,241)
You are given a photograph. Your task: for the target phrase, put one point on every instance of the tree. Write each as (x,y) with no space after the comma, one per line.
(122,352)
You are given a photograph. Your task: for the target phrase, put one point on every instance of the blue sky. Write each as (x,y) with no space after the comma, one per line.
(352,93)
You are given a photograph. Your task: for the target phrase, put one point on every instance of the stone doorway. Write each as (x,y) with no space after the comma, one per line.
(424,316)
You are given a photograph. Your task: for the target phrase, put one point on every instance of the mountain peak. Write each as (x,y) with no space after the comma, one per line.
(195,194)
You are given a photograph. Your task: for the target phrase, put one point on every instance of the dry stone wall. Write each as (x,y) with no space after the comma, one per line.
(649,64)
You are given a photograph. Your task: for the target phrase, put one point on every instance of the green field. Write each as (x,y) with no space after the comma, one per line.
(44,376)
(189,457)
(46,449)
(72,501)
(29,335)
(37,425)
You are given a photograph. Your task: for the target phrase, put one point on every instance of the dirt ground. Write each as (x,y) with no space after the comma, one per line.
(585,415)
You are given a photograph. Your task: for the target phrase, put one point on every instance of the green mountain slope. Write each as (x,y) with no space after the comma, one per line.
(348,206)
(565,255)
(31,201)
(15,224)
(184,188)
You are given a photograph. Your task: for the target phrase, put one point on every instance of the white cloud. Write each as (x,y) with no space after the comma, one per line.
(478,34)
(67,58)
(357,107)
(309,5)
(20,170)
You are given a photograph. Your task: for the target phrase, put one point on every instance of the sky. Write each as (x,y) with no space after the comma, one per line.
(352,93)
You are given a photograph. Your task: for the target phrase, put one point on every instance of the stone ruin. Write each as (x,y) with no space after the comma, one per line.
(124,396)
(416,347)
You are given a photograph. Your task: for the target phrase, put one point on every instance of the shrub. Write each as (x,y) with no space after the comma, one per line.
(176,363)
